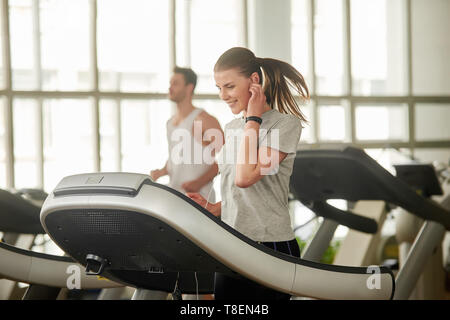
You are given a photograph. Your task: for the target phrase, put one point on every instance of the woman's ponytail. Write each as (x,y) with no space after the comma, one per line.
(279,78)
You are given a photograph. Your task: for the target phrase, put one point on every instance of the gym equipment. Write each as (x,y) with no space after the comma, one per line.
(19,224)
(46,274)
(137,232)
(18,215)
(332,218)
(424,180)
(352,175)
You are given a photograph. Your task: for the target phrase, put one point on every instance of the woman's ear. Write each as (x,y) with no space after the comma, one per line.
(254,77)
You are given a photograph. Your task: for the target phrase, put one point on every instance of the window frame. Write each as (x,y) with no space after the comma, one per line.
(348,100)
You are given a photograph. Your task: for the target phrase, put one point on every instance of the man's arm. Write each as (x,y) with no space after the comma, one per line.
(158,173)
(212,135)
(211,131)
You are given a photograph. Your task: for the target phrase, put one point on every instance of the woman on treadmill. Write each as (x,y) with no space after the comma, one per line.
(255,184)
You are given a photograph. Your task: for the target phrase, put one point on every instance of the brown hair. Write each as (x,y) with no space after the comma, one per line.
(279,78)
(189,75)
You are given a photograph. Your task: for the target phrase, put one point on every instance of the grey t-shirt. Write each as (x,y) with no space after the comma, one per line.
(260,211)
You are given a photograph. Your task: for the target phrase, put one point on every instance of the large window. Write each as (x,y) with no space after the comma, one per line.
(65,45)
(133,45)
(144,143)
(88,84)
(23,59)
(88,89)
(26,142)
(378,72)
(110,138)
(212,27)
(391,122)
(430,47)
(3,147)
(329,47)
(378,52)
(301,50)
(436,113)
(332,122)
(68,139)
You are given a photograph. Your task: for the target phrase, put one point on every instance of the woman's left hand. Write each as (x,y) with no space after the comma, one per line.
(257,100)
(197,197)
(214,208)
(192,186)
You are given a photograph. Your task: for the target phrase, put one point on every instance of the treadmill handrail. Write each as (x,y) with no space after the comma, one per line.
(35,254)
(343,217)
(391,188)
(18,215)
(39,268)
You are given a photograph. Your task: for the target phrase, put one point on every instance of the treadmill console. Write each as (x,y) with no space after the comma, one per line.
(114,183)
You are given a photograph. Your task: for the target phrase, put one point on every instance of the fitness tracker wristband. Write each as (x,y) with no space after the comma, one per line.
(253,118)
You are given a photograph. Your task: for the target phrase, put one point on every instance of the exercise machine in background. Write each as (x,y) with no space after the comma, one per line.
(352,175)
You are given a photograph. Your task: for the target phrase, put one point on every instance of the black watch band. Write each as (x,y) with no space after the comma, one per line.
(253,118)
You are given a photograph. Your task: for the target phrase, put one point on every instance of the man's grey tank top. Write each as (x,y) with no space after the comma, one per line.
(186,155)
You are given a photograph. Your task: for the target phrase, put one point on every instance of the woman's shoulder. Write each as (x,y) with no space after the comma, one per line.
(235,123)
(278,118)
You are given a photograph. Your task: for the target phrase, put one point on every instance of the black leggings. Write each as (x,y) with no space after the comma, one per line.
(228,287)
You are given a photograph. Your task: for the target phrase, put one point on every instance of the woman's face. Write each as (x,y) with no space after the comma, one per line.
(233,89)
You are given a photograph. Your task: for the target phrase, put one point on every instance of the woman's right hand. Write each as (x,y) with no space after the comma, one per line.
(214,208)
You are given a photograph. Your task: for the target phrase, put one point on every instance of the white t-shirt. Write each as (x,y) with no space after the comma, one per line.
(185,156)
